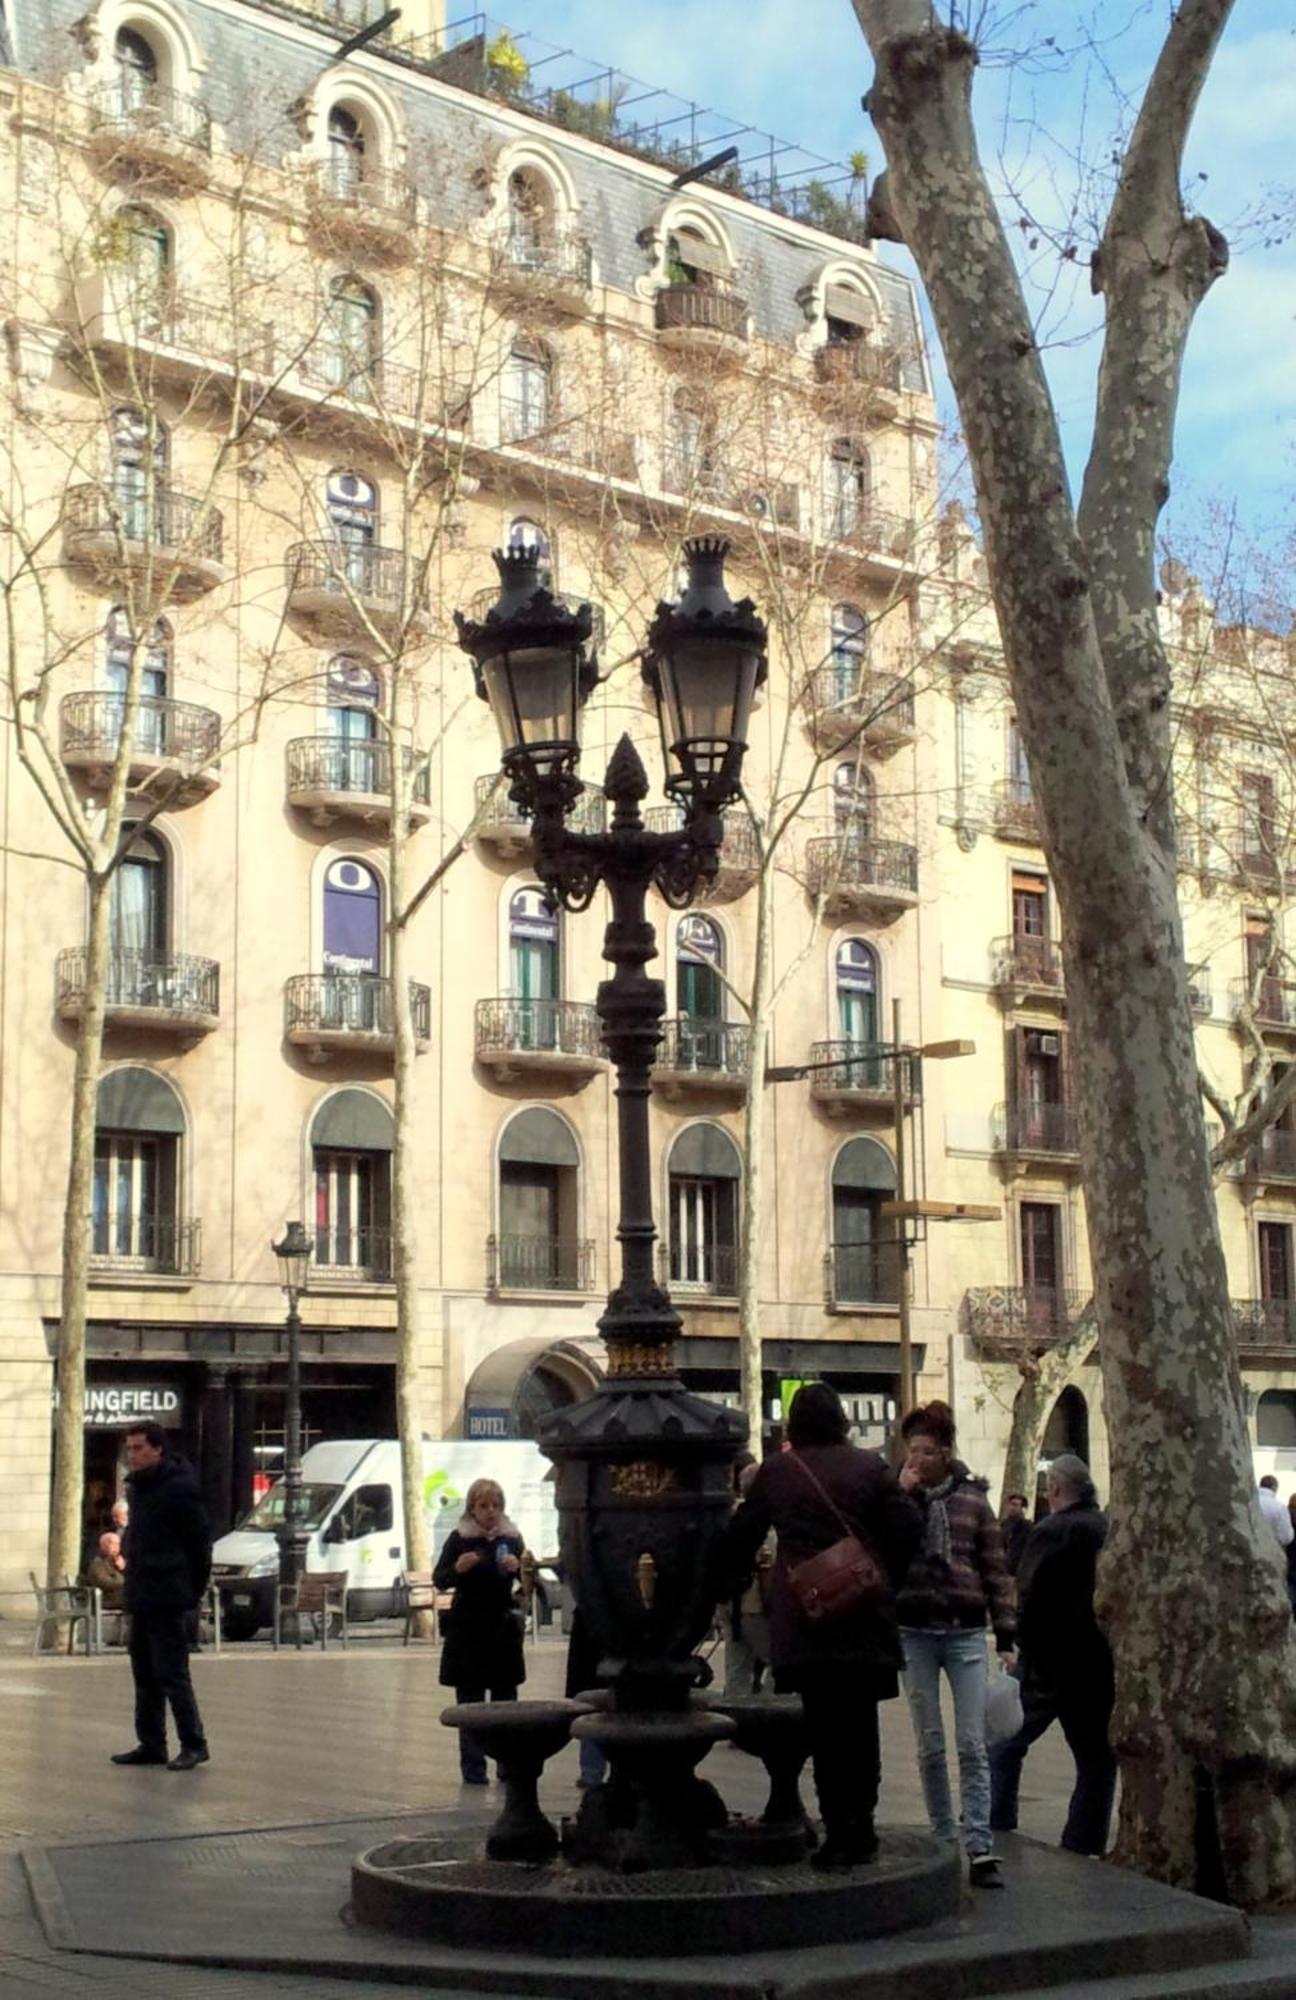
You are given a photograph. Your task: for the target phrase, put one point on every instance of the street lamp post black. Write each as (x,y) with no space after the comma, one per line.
(293,1252)
(643,1466)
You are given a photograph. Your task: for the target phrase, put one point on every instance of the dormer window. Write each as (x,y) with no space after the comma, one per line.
(346,153)
(691,260)
(137,68)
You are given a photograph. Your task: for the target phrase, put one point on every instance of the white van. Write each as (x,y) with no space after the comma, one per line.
(351,1506)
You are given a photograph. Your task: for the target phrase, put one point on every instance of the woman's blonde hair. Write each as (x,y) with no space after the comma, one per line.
(478,1491)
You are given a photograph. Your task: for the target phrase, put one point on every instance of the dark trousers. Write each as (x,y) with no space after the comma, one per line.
(159,1657)
(1084,1721)
(841,1721)
(472,1758)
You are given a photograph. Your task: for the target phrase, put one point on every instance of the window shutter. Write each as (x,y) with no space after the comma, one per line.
(1066,1095)
(700,255)
(851,307)
(1016,1066)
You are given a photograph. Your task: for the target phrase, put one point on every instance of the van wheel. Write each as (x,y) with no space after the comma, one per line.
(240,1625)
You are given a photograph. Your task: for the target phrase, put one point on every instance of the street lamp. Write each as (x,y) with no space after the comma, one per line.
(643,1467)
(294,1254)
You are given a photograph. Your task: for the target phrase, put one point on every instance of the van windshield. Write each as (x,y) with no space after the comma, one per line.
(269,1510)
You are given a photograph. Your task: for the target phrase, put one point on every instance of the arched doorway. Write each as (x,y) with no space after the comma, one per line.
(516,1386)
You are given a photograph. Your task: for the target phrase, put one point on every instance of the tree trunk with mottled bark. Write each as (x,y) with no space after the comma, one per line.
(753,1165)
(1191,1590)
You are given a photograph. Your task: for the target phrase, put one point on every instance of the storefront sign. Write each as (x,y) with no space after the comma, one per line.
(488,1423)
(111,1404)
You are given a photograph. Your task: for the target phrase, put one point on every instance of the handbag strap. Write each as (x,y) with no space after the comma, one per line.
(826,1497)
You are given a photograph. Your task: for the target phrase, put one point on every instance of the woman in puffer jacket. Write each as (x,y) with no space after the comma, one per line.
(482,1655)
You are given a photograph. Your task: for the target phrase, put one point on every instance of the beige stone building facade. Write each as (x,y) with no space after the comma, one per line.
(293,343)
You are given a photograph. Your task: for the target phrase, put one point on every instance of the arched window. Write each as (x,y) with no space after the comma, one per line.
(1067,1429)
(535,969)
(139,915)
(853,799)
(1276,1420)
(530,218)
(858,993)
(865,1260)
(351,346)
(692,260)
(140,450)
(699,965)
(524,533)
(691,463)
(137,68)
(537,1246)
(524,392)
(848,652)
(849,486)
(154,675)
(850,316)
(352,1135)
(703,1173)
(139,1131)
(352,920)
(354,692)
(352,505)
(346,152)
(145,244)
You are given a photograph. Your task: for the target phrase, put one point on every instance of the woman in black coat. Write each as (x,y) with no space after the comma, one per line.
(482,1654)
(842,1669)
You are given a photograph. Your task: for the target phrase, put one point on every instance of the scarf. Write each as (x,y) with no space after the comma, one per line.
(936,1542)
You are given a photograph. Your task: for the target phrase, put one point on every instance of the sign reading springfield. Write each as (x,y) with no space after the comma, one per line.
(113,1403)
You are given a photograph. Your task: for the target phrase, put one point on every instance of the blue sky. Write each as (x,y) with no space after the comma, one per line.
(800,70)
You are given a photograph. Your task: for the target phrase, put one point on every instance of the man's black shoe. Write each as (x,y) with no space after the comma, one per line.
(836,1855)
(139,1755)
(188,1759)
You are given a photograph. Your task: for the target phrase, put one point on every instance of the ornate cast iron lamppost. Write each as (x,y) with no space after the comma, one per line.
(643,1466)
(294,1254)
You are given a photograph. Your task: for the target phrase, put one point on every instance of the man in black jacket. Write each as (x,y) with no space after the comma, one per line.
(1066,1661)
(168,1561)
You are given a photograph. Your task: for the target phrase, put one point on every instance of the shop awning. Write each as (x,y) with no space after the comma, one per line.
(354,1121)
(539,1138)
(706,1151)
(137,1100)
(863,1163)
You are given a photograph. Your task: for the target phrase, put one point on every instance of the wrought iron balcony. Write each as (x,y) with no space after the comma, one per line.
(710,1268)
(739,852)
(144,128)
(1273,1157)
(868,529)
(701,1055)
(1014,1322)
(1273,1002)
(558,268)
(182,335)
(1027,965)
(852,364)
(552,1035)
(1264,1322)
(861,1076)
(170,992)
(1016,816)
(538,1264)
(1200,997)
(368,209)
(160,1246)
(172,752)
(324,1011)
(858,875)
(357,1255)
(333,777)
(713,317)
(504,825)
(1037,1131)
(862,1274)
(846,701)
(347,587)
(169,536)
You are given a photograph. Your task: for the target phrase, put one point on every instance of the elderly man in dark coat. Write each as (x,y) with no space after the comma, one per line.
(842,1669)
(167,1548)
(1066,1662)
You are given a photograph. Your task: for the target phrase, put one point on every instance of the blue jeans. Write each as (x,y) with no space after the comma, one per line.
(962,1654)
(1084,1715)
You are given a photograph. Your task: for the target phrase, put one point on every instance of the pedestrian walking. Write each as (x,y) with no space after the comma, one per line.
(167,1550)
(813,1495)
(1014,1528)
(744,1620)
(957,1581)
(1275,1513)
(482,1654)
(1066,1663)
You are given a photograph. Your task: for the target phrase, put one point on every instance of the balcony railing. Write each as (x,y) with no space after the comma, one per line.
(713,308)
(563,259)
(343,571)
(1273,1157)
(856,861)
(1274,1002)
(166,731)
(1034,962)
(157,1245)
(1035,1128)
(1013,1322)
(862,1274)
(171,522)
(538,1264)
(865,526)
(844,363)
(1200,997)
(846,697)
(373,193)
(334,764)
(129,108)
(1016,817)
(503,816)
(117,308)
(739,849)
(864,1070)
(541,1028)
(1264,1322)
(170,984)
(351,1003)
(716,1050)
(700,1267)
(363,1254)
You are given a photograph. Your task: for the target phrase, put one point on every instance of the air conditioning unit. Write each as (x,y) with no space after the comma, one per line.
(758,504)
(1049,1045)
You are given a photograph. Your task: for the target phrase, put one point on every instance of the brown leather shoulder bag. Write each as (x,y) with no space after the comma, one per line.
(842,1578)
